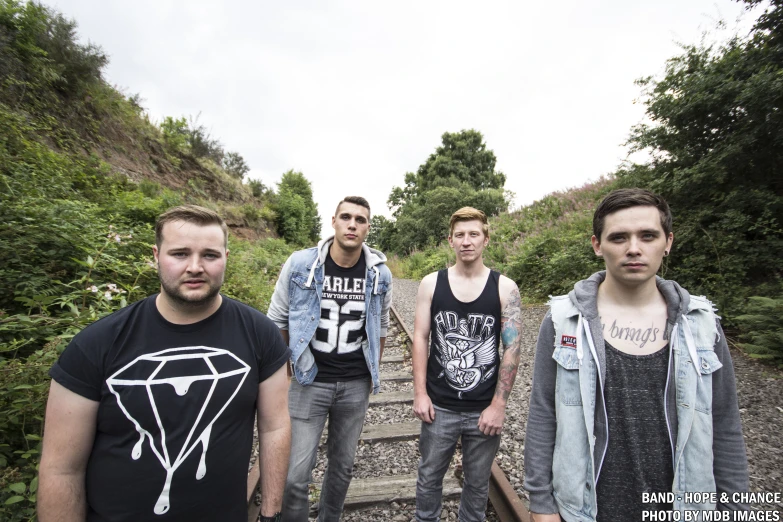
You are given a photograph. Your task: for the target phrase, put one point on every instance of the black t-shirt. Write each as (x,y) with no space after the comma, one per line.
(639,457)
(463,361)
(177,406)
(337,344)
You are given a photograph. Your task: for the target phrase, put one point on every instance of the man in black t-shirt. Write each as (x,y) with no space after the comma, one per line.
(332,304)
(151,409)
(462,387)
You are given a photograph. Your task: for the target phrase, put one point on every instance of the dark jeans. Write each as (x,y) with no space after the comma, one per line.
(345,403)
(437,444)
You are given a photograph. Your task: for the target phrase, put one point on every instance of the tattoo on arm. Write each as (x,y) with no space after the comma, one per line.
(510,335)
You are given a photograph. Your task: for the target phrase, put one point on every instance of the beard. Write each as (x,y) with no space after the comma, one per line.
(172,289)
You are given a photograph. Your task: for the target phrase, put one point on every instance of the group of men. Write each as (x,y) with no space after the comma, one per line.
(151,410)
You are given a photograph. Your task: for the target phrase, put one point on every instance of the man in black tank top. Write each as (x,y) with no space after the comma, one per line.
(462,384)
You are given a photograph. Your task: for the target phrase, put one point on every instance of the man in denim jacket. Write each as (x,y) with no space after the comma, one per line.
(634,405)
(331,303)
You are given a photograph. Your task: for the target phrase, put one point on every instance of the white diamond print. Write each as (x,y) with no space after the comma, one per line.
(181,384)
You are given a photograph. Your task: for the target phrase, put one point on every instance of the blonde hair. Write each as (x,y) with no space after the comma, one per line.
(190,214)
(469,214)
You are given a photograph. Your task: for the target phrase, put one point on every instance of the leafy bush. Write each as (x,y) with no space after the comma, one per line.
(762,329)
(253,268)
(24,385)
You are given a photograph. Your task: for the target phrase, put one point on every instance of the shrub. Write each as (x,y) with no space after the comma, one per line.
(761,328)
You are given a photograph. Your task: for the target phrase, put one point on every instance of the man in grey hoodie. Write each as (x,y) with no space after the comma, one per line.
(633,406)
(331,303)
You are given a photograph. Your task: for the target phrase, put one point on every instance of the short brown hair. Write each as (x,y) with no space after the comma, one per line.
(356,200)
(190,214)
(469,214)
(630,197)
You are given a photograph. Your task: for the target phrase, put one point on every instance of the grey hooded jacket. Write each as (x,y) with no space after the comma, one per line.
(730,467)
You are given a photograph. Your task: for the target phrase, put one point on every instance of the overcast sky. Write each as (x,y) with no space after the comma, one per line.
(356,93)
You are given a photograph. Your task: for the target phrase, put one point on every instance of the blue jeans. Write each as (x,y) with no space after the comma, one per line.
(345,403)
(437,444)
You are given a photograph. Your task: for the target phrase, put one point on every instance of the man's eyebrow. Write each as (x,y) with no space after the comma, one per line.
(652,231)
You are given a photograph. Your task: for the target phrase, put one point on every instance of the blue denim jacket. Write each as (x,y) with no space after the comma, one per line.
(296,307)
(580,426)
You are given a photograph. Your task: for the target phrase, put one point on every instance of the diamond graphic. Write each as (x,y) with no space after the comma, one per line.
(179,369)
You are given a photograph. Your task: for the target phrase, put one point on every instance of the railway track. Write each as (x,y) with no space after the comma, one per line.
(386,496)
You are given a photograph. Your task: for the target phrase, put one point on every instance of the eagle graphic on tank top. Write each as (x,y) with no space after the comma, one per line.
(467,349)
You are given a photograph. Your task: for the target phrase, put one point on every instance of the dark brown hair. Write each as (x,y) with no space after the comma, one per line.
(190,214)
(630,197)
(356,200)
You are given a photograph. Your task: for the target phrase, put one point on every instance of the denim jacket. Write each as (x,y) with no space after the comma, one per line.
(296,307)
(708,453)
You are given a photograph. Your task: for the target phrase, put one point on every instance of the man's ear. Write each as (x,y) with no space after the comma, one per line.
(155,252)
(596,246)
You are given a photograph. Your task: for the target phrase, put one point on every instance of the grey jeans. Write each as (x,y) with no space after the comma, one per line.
(345,403)
(437,444)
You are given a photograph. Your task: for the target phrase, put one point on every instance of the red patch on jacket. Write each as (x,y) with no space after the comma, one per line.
(569,341)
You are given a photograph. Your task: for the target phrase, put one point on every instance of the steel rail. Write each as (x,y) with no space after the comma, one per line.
(508,506)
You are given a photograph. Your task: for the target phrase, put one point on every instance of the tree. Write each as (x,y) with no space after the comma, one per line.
(461,172)
(298,221)
(716,139)
(381,233)
(235,165)
(462,158)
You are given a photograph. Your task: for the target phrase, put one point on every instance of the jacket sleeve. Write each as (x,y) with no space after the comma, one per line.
(542,424)
(730,461)
(387,302)
(278,307)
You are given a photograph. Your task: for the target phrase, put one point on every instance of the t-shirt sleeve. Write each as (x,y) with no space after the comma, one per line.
(78,371)
(272,352)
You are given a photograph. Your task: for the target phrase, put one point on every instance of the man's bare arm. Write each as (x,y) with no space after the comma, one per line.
(422,405)
(492,418)
(274,438)
(289,370)
(69,433)
(511,337)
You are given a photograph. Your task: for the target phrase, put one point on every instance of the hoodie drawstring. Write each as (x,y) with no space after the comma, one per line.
(583,330)
(312,274)
(377,278)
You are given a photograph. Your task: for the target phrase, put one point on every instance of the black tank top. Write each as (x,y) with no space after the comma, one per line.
(463,361)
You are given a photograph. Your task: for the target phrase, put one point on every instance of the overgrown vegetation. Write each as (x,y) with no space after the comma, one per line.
(76,229)
(763,331)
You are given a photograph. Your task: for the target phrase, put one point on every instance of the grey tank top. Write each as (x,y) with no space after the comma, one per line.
(639,456)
